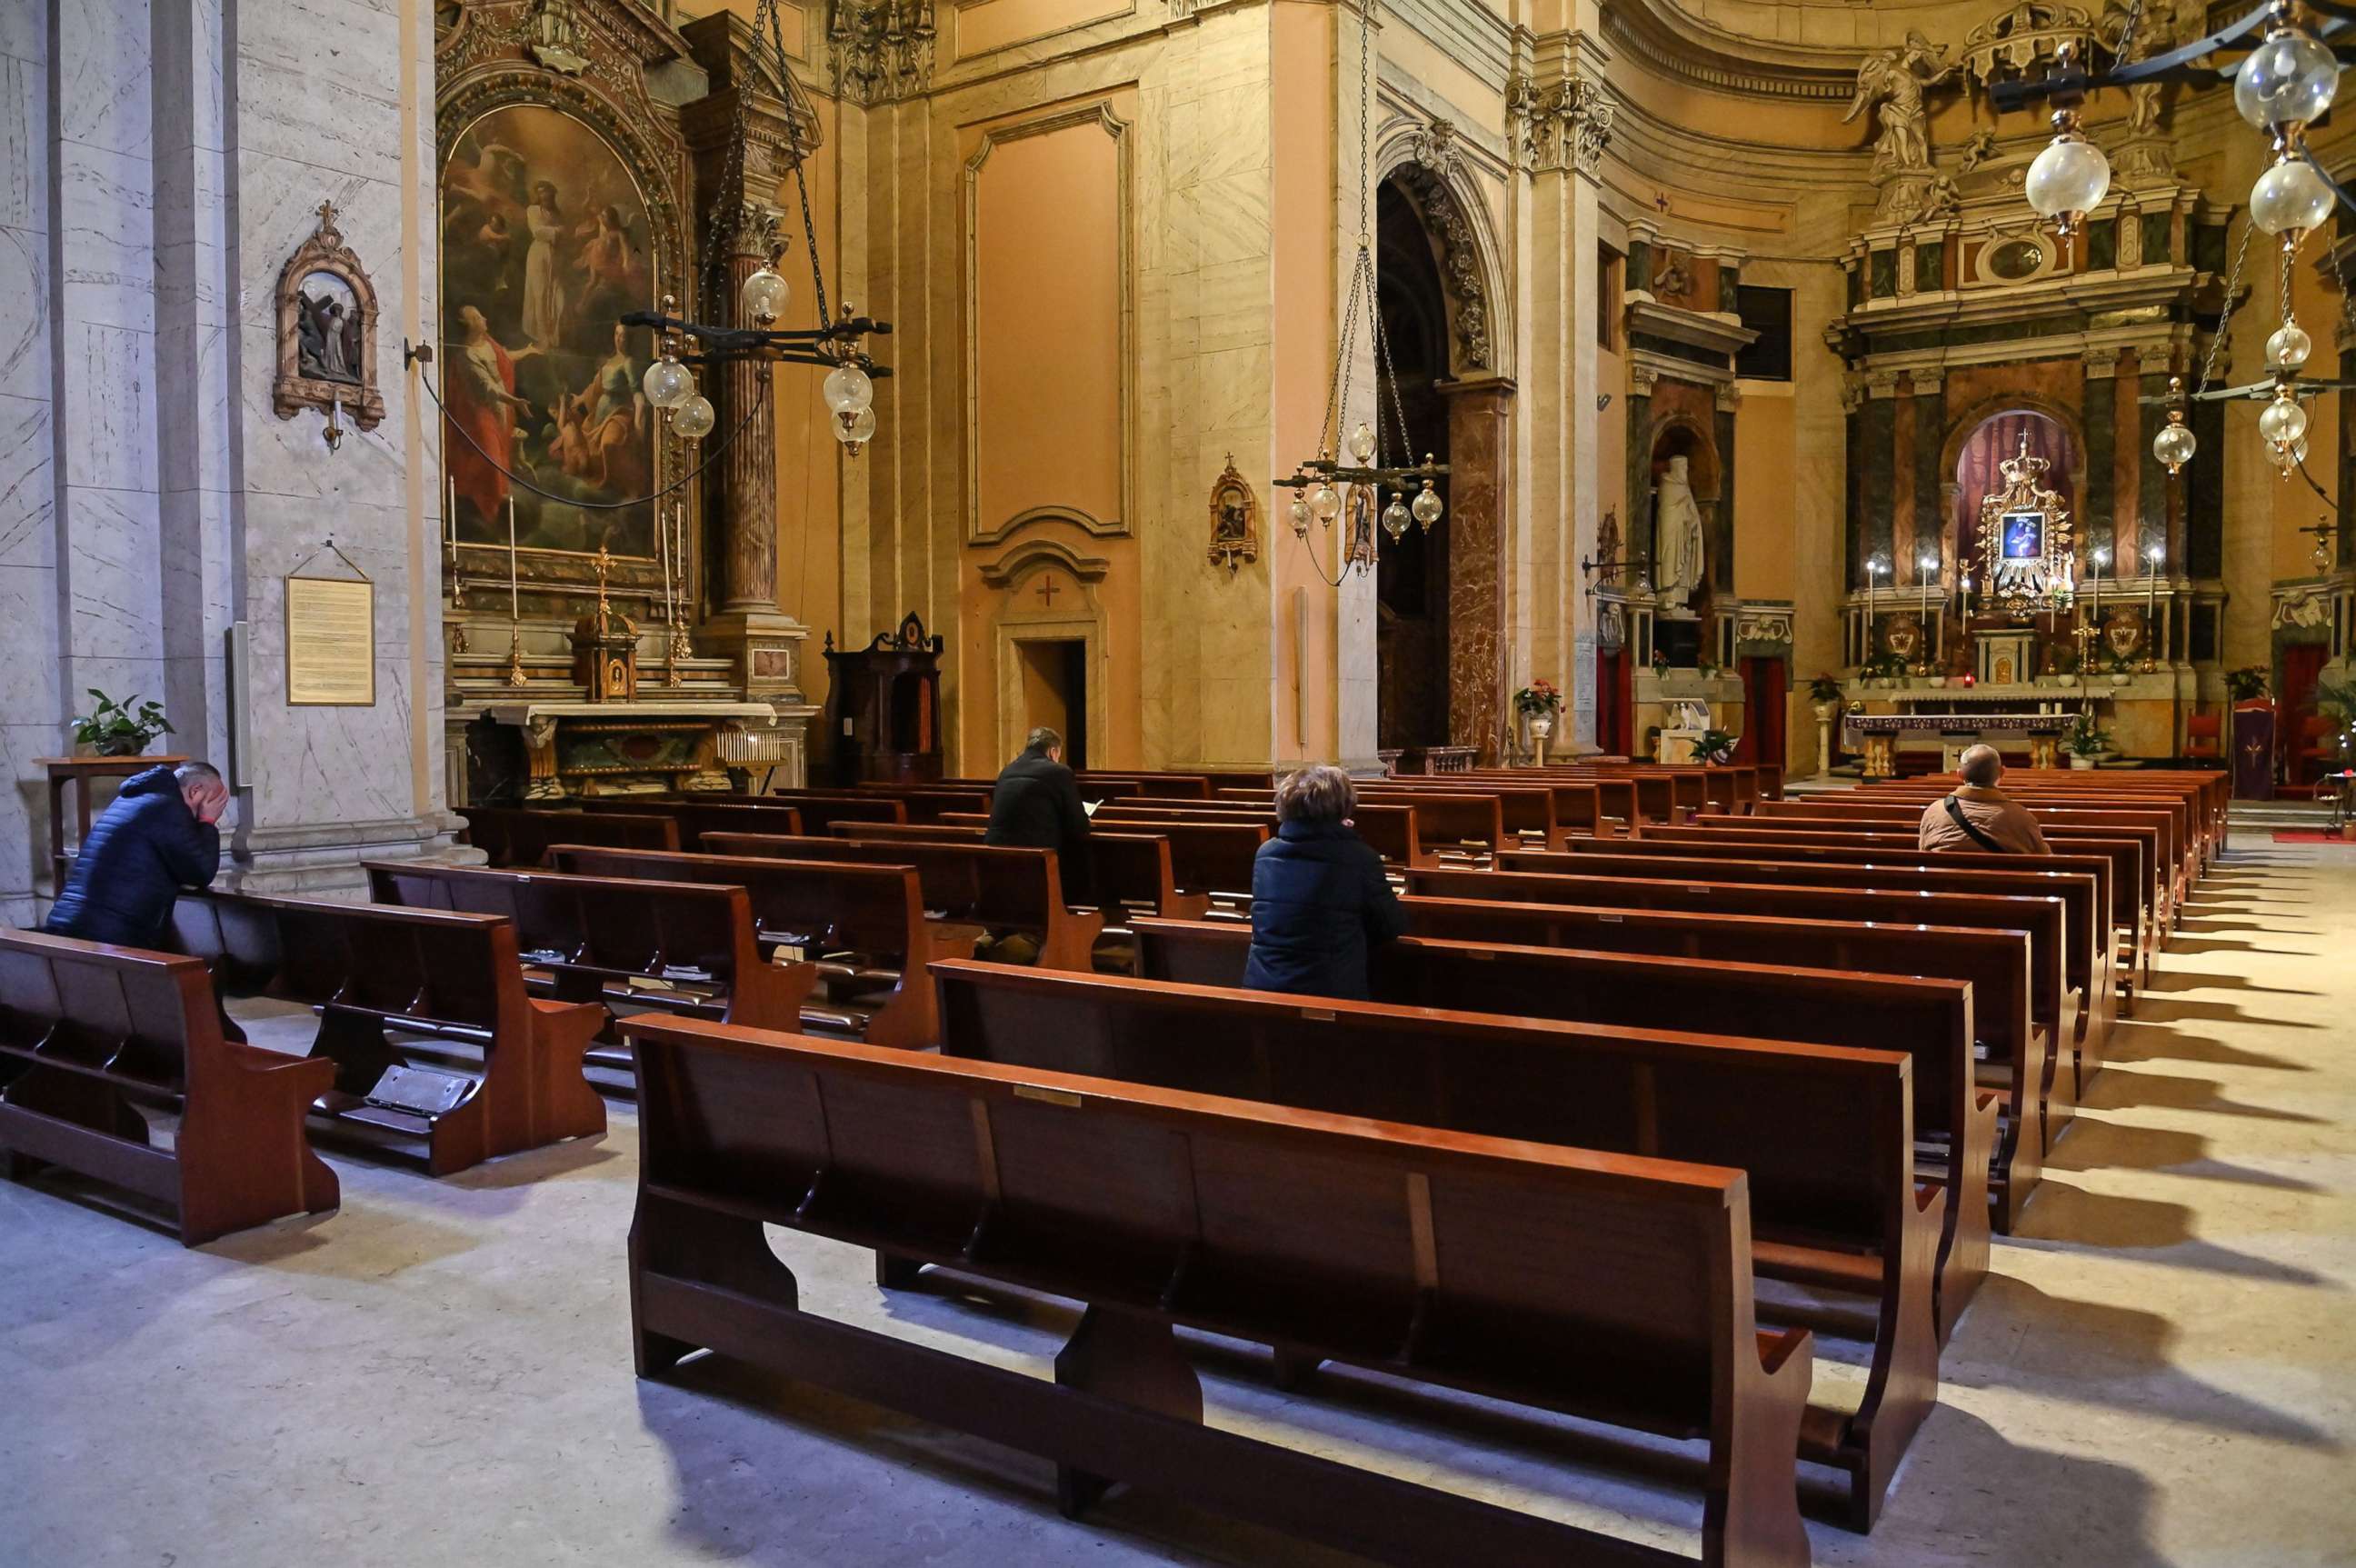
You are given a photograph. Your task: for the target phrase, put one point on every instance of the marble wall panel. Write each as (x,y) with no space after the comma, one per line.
(24,142)
(28,506)
(103,71)
(25,339)
(107,426)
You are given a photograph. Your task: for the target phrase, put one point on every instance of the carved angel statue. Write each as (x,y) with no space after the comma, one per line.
(2157,29)
(1896,80)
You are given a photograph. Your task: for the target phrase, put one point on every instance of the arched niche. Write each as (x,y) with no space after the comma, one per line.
(1983,438)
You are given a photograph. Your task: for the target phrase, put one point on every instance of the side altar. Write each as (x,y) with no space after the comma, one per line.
(610,617)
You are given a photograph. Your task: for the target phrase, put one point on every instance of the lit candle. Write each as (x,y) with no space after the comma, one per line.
(1966,617)
(662,550)
(512,613)
(454,520)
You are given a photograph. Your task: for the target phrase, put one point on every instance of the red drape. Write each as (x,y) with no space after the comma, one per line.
(1612,701)
(1764,690)
(2302,665)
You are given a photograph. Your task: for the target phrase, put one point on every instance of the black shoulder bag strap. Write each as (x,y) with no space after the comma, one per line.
(1978,834)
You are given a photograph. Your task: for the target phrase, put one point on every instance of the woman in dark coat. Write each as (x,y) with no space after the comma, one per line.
(1320,902)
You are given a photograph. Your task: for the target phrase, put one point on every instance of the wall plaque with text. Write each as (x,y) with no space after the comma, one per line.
(330,642)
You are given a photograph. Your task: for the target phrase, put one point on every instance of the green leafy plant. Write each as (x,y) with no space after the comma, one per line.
(1714,745)
(1883,666)
(1538,700)
(116,729)
(2336,700)
(2250,681)
(1825,689)
(2085,737)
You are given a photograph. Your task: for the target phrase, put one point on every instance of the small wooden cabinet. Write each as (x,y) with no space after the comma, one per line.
(884,710)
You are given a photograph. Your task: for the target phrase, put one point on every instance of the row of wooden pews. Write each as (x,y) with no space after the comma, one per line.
(1623,965)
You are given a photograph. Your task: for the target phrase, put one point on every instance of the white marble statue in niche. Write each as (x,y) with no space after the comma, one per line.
(1677,540)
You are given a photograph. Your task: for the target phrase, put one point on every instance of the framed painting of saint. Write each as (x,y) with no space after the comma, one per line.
(545,243)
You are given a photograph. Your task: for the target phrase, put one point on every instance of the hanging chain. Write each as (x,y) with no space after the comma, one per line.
(2225,317)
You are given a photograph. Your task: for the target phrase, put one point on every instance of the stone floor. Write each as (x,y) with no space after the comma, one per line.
(2163,1371)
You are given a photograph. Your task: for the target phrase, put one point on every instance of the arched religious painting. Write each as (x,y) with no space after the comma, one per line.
(545,243)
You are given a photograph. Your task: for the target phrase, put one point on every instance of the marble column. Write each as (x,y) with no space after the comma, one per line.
(746,626)
(2097,522)
(1478,421)
(1928,408)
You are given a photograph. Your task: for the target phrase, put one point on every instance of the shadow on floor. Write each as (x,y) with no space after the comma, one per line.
(2064,1215)
(2102,1353)
(2184,1009)
(2184,980)
(2132,1042)
(2117,1090)
(2095,1145)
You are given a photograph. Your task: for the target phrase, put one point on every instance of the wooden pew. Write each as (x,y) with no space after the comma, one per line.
(372,970)
(90,1034)
(1447,821)
(998,889)
(694,816)
(1929,1019)
(1165,786)
(2047,1100)
(2117,862)
(1391,831)
(2087,957)
(859,930)
(520,836)
(684,947)
(1907,816)
(1213,860)
(1132,871)
(926,802)
(2173,819)
(1524,815)
(1608,1287)
(820,810)
(1995,963)
(1825,1135)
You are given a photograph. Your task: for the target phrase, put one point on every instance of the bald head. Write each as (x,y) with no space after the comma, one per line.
(1981,766)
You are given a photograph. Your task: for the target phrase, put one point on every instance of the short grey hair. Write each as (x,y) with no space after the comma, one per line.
(1981,765)
(1322,794)
(1042,739)
(192,773)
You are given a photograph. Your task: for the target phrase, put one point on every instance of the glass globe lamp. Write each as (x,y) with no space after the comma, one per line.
(693,418)
(1325,503)
(666,384)
(2283,421)
(1396,517)
(1362,443)
(2288,456)
(854,427)
(2290,198)
(2175,444)
(2289,346)
(1300,516)
(2289,79)
(2070,176)
(765,294)
(847,389)
(1426,506)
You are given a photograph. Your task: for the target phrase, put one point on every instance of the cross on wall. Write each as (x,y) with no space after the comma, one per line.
(1047,591)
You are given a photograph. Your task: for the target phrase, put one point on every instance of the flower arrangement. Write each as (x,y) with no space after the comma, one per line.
(1714,745)
(1538,700)
(2250,681)
(2085,738)
(1825,688)
(115,729)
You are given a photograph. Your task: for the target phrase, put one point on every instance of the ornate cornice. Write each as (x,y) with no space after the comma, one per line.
(1680,51)
(1427,179)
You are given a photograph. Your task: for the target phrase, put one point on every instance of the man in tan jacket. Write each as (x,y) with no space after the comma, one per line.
(1978,815)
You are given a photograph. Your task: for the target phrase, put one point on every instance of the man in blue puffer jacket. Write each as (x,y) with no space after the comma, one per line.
(1320,902)
(156,837)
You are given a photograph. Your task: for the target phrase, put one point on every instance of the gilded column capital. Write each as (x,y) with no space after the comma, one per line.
(1926,383)
(2104,362)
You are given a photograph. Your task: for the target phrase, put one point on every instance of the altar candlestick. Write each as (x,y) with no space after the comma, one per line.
(1966,615)
(513,614)
(454,520)
(662,552)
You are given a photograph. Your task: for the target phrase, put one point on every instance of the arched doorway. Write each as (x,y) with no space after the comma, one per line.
(1411,631)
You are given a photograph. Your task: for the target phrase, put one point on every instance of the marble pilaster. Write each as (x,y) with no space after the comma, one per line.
(2098,525)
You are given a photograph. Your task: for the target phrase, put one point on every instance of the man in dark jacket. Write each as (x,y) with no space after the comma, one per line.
(1319,901)
(156,837)
(1037,806)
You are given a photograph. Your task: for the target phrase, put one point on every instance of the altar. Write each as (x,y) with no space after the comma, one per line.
(560,750)
(1879,733)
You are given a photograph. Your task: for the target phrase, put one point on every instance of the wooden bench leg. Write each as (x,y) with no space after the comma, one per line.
(688,1241)
(1133,1358)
